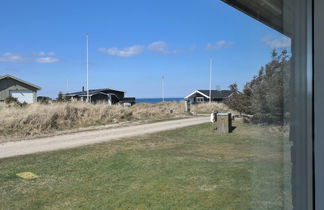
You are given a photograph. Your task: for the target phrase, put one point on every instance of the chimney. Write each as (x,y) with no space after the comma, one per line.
(82,88)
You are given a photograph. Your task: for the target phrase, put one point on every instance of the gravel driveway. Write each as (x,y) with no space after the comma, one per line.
(25,147)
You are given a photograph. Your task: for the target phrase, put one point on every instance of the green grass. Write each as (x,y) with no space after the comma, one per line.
(190,168)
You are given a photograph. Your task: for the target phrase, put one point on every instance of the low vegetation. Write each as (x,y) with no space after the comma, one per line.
(207,108)
(40,118)
(188,168)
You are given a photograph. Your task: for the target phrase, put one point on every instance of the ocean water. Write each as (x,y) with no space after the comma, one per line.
(157,100)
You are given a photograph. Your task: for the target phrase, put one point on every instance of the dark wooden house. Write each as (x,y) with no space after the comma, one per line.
(201,96)
(105,95)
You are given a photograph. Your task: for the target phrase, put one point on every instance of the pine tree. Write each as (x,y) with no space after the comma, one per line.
(267,95)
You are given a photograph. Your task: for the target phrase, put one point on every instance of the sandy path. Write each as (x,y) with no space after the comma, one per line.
(11,149)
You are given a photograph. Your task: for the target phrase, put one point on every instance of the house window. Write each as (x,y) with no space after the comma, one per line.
(199,99)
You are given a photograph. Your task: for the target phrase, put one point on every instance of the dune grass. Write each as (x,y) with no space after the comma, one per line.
(188,168)
(41,119)
(38,118)
(207,108)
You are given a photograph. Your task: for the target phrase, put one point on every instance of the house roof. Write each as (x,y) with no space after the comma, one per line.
(216,94)
(20,80)
(128,99)
(92,92)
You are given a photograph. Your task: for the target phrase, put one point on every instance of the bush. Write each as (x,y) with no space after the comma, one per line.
(11,100)
(43,99)
(61,97)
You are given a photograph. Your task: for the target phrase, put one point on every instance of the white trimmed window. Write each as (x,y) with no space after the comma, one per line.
(199,99)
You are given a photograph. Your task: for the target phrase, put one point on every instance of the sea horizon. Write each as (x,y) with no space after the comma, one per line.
(158,100)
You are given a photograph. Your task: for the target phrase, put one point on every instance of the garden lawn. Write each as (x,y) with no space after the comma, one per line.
(189,168)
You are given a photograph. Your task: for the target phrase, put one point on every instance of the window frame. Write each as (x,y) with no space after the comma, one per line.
(318,103)
(200,99)
(307,116)
(302,129)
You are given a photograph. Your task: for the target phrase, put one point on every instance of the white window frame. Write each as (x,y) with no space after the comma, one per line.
(200,99)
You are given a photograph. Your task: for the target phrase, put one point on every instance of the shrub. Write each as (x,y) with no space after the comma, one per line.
(11,100)
(43,99)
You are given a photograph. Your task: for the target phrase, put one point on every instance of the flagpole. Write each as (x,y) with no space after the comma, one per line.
(162,86)
(210,78)
(88,69)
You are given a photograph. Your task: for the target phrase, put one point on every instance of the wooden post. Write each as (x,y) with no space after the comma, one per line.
(224,123)
(187,106)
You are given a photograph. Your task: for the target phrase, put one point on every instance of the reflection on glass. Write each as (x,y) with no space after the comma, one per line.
(204,124)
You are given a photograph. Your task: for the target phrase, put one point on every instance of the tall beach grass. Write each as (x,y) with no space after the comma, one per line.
(39,118)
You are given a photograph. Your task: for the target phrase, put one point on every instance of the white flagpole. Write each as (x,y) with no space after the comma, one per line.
(88,70)
(210,78)
(162,85)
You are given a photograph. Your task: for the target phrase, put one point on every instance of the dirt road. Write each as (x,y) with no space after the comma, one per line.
(11,149)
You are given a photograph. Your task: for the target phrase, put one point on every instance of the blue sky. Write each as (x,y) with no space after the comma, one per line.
(132,44)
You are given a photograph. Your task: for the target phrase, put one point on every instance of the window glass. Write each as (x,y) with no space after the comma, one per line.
(152,104)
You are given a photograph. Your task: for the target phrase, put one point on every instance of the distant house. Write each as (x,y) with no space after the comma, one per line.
(106,95)
(18,88)
(200,96)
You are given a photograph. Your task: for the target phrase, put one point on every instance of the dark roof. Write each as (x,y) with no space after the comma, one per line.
(92,92)
(217,93)
(20,80)
(128,99)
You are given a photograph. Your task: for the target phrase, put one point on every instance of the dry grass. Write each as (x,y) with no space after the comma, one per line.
(40,119)
(157,111)
(211,107)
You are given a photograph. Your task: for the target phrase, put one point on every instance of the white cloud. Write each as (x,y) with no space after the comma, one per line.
(124,52)
(41,54)
(12,58)
(38,57)
(44,53)
(283,42)
(219,45)
(161,47)
(47,60)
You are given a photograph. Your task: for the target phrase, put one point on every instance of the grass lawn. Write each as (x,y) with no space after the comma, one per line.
(189,168)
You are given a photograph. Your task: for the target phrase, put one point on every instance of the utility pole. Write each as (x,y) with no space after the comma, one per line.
(88,69)
(162,87)
(210,78)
